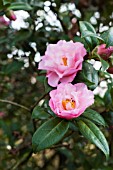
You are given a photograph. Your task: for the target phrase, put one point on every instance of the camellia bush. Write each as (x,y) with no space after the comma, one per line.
(57,111)
(72,75)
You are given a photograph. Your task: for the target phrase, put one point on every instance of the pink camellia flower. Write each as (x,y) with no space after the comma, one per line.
(70,101)
(62,61)
(104,52)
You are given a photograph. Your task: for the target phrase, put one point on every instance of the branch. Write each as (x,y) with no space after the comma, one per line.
(60,145)
(22,160)
(15,104)
(61,22)
(32,107)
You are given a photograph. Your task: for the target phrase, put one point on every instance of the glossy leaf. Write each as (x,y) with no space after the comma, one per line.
(83,28)
(20,6)
(104,63)
(5,2)
(108,37)
(49,133)
(84,25)
(94,116)
(88,33)
(88,75)
(93,133)
(72,126)
(108,98)
(39,113)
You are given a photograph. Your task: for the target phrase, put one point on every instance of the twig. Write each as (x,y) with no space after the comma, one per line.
(60,145)
(61,22)
(32,107)
(22,160)
(15,104)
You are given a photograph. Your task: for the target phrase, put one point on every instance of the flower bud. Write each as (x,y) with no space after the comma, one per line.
(104,52)
(10,14)
(110,70)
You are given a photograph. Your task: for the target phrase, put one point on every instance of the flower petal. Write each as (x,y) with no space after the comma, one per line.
(53,79)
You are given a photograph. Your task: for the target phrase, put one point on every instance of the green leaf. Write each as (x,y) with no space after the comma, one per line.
(82,78)
(20,6)
(51,112)
(38,4)
(12,67)
(108,98)
(40,78)
(72,126)
(108,37)
(104,63)
(88,75)
(111,93)
(3,39)
(39,113)
(82,29)
(93,133)
(84,25)
(5,2)
(78,39)
(49,133)
(94,116)
(88,33)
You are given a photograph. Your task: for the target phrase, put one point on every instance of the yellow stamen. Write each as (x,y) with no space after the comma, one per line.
(64,61)
(65,102)
(73,104)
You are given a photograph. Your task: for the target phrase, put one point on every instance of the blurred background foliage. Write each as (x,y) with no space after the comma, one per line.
(21,45)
